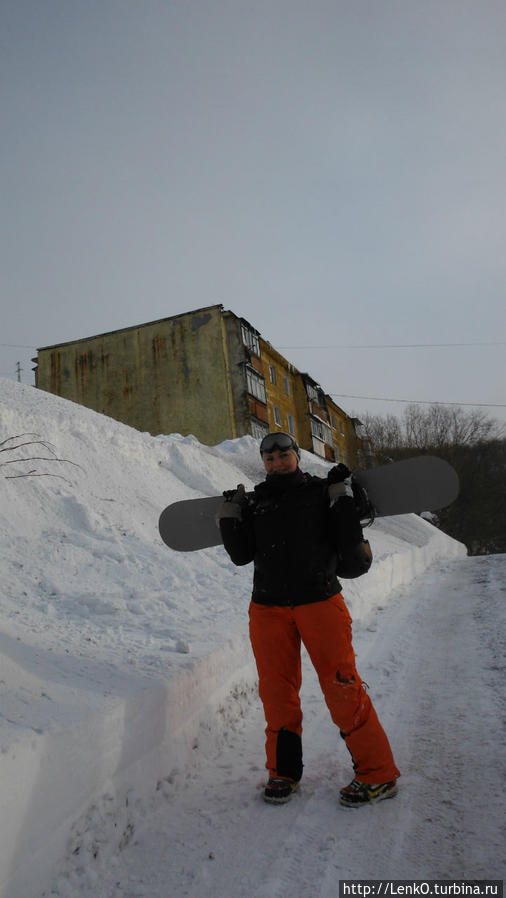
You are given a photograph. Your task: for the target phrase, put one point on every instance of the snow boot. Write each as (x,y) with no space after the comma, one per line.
(357,794)
(279,791)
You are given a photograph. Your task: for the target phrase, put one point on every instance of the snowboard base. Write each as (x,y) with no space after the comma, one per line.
(423,483)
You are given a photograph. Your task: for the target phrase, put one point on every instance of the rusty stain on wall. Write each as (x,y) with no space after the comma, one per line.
(187,374)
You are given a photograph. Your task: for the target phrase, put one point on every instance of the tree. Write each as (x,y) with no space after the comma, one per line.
(438,427)
(446,426)
(478,516)
(475,445)
(384,433)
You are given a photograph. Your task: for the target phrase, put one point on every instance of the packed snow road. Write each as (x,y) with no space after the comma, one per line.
(433,660)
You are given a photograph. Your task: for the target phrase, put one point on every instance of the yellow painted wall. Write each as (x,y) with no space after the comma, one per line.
(187,374)
(277,395)
(165,376)
(344,436)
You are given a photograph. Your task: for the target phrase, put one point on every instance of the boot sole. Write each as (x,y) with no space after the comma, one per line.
(272,799)
(360,804)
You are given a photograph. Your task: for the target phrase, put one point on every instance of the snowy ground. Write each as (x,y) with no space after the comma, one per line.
(213,835)
(131,738)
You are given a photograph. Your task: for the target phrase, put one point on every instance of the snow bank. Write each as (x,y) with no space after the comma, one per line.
(118,657)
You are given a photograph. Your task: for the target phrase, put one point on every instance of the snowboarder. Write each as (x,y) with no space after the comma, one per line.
(302,531)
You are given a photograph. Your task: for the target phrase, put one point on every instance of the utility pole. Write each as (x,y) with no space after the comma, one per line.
(18,371)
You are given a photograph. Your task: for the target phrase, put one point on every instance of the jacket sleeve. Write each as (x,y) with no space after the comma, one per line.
(238,539)
(344,521)
(354,552)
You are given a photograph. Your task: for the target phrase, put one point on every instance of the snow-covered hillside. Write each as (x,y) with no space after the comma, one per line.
(125,667)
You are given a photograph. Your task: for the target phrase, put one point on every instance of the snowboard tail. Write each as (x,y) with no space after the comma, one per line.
(423,483)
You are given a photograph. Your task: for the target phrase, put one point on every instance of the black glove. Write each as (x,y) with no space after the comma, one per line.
(339,480)
(355,561)
(338,473)
(235,501)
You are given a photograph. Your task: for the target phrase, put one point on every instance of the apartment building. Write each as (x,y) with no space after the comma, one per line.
(206,372)
(281,382)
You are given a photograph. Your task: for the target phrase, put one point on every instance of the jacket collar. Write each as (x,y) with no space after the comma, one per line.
(280,483)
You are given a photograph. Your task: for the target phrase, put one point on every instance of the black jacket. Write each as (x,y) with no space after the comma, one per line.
(297,542)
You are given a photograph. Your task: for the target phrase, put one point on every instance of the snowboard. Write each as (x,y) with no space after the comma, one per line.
(423,483)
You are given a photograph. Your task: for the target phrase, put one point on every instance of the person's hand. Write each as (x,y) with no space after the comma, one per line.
(232,507)
(339,480)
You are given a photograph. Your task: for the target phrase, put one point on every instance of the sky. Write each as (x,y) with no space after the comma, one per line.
(333,172)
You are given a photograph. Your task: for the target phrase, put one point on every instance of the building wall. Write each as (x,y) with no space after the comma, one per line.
(247,375)
(303,422)
(352,448)
(281,388)
(206,372)
(320,434)
(236,357)
(343,434)
(163,377)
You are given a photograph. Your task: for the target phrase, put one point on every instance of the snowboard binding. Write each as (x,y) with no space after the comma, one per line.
(363,504)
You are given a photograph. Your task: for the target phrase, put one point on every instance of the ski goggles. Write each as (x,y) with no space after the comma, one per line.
(279,441)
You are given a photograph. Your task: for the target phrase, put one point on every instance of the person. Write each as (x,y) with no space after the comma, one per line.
(301,532)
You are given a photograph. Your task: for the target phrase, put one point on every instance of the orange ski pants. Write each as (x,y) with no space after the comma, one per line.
(325,629)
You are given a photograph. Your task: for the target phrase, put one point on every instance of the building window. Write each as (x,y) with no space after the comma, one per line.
(287,385)
(291,425)
(277,416)
(255,384)
(312,393)
(321,431)
(258,430)
(250,339)
(272,374)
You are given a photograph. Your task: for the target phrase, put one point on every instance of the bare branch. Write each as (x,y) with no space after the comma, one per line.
(25,458)
(29,443)
(35,474)
(18,437)
(17,461)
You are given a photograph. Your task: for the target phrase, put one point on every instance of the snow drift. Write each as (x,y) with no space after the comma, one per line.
(116,654)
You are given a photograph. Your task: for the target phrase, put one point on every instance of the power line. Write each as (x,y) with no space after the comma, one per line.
(396,345)
(346,345)
(418,401)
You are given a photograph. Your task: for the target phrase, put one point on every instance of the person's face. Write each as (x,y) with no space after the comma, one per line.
(282,461)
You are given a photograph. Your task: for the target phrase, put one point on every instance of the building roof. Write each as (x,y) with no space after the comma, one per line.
(133,327)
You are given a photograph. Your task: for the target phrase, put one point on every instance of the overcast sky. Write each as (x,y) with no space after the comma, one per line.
(332,170)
